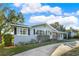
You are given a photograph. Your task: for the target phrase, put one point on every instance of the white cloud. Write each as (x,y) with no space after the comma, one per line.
(69,14)
(37,7)
(70,21)
(45,8)
(31,8)
(76,27)
(38,19)
(77,13)
(17,4)
(26,10)
(56,10)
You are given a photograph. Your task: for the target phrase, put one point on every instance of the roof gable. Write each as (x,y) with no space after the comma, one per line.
(45,24)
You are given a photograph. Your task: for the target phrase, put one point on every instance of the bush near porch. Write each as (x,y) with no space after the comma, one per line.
(8,39)
(43,38)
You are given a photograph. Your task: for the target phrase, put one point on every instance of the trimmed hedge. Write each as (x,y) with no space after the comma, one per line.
(8,39)
(43,38)
(74,37)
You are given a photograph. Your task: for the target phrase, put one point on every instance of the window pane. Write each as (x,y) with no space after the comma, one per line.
(24,30)
(28,31)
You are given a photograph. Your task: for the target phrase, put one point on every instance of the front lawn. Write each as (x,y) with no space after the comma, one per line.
(20,48)
(17,49)
(73,52)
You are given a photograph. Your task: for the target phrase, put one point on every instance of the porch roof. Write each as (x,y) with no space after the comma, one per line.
(61,32)
(53,29)
(20,25)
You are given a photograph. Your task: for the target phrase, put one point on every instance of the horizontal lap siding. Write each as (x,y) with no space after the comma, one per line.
(23,38)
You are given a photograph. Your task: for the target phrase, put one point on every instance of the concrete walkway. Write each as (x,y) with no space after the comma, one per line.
(40,51)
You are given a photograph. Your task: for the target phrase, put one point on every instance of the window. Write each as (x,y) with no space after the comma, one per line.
(40,32)
(37,32)
(23,30)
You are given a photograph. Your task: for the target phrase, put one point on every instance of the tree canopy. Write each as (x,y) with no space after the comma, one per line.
(58,26)
(8,17)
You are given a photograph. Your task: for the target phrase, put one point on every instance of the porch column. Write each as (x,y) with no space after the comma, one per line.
(61,36)
(18,31)
(67,35)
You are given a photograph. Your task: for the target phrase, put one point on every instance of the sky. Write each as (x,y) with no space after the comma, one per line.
(66,14)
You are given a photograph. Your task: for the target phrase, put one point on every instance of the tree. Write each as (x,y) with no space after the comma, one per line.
(58,26)
(62,28)
(8,17)
(55,25)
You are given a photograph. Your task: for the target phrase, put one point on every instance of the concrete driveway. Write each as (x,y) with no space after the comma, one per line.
(40,51)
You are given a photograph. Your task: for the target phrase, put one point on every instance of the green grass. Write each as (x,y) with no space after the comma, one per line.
(21,48)
(17,49)
(73,52)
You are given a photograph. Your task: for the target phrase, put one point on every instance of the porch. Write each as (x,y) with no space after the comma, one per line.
(59,35)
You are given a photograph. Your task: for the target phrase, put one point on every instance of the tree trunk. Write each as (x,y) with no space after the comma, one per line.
(0,38)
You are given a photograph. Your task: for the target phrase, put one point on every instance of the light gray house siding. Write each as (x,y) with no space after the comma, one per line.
(26,34)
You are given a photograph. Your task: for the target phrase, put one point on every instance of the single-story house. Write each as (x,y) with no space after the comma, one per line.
(23,33)
(72,33)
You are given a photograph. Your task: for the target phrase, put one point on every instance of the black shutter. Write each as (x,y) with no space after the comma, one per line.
(34,31)
(15,30)
(28,31)
(46,32)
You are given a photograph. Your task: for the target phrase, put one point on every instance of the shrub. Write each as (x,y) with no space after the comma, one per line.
(33,41)
(1,46)
(8,39)
(76,37)
(21,44)
(43,38)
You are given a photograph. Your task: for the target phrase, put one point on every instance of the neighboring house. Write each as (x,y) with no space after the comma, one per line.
(73,33)
(23,33)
